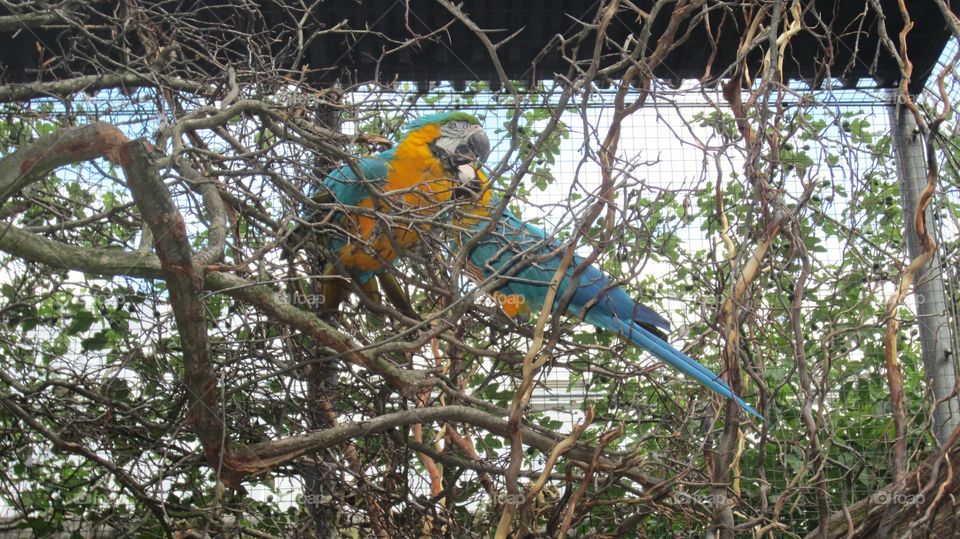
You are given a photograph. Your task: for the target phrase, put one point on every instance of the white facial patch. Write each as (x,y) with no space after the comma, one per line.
(455,133)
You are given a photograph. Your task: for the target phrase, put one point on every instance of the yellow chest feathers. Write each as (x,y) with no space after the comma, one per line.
(415,173)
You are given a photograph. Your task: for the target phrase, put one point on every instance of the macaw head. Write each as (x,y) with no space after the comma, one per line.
(461,139)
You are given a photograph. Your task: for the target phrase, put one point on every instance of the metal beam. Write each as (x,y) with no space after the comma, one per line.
(932,316)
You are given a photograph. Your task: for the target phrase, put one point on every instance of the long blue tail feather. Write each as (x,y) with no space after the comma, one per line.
(680,361)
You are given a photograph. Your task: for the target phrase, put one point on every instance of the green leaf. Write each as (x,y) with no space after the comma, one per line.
(81,322)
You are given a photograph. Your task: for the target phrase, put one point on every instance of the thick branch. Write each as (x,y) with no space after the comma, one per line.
(95,261)
(89,83)
(922,495)
(12,23)
(185,285)
(405,380)
(280,451)
(63,147)
(111,262)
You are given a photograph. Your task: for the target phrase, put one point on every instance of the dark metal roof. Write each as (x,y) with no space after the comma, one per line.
(842,41)
(843,33)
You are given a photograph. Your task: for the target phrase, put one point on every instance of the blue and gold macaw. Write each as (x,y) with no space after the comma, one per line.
(519,256)
(387,210)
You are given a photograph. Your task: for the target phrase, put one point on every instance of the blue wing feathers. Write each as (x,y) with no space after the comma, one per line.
(342,183)
(592,285)
(514,242)
(595,285)
(346,188)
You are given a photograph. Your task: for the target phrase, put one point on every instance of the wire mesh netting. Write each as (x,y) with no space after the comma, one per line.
(768,223)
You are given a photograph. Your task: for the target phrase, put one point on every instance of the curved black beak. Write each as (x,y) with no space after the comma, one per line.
(476,149)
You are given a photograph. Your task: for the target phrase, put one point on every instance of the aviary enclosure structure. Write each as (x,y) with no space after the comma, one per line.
(778,178)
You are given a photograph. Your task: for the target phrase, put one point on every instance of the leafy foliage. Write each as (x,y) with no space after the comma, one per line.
(98,428)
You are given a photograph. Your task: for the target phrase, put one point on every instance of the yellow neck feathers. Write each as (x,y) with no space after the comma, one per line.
(413,162)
